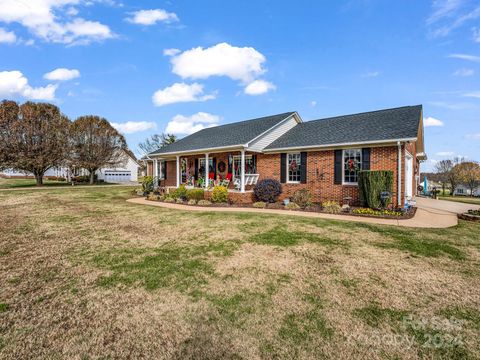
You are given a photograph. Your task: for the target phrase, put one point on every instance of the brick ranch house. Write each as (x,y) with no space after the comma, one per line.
(323,155)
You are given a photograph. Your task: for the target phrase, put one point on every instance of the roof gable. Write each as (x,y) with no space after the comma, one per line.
(368,127)
(229,135)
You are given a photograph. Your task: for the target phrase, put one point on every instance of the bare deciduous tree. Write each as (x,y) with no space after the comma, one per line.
(443,169)
(8,122)
(468,173)
(156,142)
(95,144)
(37,137)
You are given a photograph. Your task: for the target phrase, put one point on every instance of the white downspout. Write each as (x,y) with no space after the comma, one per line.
(399,178)
(207,180)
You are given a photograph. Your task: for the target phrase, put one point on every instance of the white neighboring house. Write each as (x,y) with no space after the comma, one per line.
(463,190)
(125,171)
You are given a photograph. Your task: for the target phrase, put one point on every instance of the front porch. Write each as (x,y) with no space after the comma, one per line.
(236,170)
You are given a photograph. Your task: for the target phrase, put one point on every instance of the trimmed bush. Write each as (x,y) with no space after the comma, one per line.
(302,198)
(204,203)
(260,205)
(267,190)
(179,201)
(220,194)
(192,202)
(331,207)
(147,184)
(179,193)
(292,206)
(169,200)
(371,184)
(195,194)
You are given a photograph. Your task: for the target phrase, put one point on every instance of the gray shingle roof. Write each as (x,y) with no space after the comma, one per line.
(238,133)
(389,124)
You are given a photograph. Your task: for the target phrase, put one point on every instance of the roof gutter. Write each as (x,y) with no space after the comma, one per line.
(204,150)
(373,142)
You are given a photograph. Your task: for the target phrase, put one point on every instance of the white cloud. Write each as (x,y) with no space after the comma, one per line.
(258,87)
(464,72)
(131,127)
(472,94)
(313,103)
(42,18)
(371,74)
(186,125)
(449,15)
(180,92)
(151,17)
(13,83)
(238,63)
(62,74)
(430,121)
(467,57)
(475,136)
(445,153)
(476,34)
(8,37)
(442,9)
(171,52)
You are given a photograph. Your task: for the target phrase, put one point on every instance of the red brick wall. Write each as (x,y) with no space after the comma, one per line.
(320,174)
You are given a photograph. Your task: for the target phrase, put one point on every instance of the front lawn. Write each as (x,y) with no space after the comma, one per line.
(83,274)
(462,199)
(20,183)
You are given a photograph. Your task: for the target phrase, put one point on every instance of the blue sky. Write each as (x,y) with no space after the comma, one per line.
(148,66)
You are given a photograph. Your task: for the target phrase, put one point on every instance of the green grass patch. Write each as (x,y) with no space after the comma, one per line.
(169,266)
(280,236)
(469,314)
(4,307)
(373,315)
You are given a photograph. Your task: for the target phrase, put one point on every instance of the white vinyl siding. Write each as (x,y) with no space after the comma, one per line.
(273,134)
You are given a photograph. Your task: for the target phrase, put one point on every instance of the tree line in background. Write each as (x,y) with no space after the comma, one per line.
(35,137)
(156,141)
(453,172)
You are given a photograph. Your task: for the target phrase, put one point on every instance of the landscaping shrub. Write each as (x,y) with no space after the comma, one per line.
(195,194)
(331,207)
(84,178)
(179,201)
(169,200)
(292,206)
(267,190)
(369,211)
(204,203)
(220,194)
(179,193)
(371,184)
(302,198)
(147,184)
(192,202)
(260,205)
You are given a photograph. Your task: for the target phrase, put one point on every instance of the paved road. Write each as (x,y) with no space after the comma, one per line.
(439,206)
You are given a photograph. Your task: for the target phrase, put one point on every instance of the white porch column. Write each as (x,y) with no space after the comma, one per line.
(206,172)
(242,173)
(155,173)
(178,171)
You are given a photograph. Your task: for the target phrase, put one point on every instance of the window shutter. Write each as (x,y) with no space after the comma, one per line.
(214,164)
(303,167)
(337,176)
(254,160)
(230,164)
(283,168)
(165,172)
(196,169)
(366,159)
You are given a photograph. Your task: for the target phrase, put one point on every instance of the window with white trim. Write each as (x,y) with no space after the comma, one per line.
(294,164)
(201,166)
(352,164)
(250,166)
(161,169)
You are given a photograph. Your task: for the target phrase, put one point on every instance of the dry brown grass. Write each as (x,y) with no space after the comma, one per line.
(85,275)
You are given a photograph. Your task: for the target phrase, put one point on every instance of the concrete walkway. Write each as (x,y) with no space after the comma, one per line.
(423,218)
(444,205)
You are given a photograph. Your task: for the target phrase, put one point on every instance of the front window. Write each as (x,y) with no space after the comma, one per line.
(201,166)
(161,169)
(250,166)
(294,165)
(352,163)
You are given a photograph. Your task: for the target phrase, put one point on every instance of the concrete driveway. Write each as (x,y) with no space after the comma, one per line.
(441,206)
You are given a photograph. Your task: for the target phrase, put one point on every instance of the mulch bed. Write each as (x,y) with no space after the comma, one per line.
(316,208)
